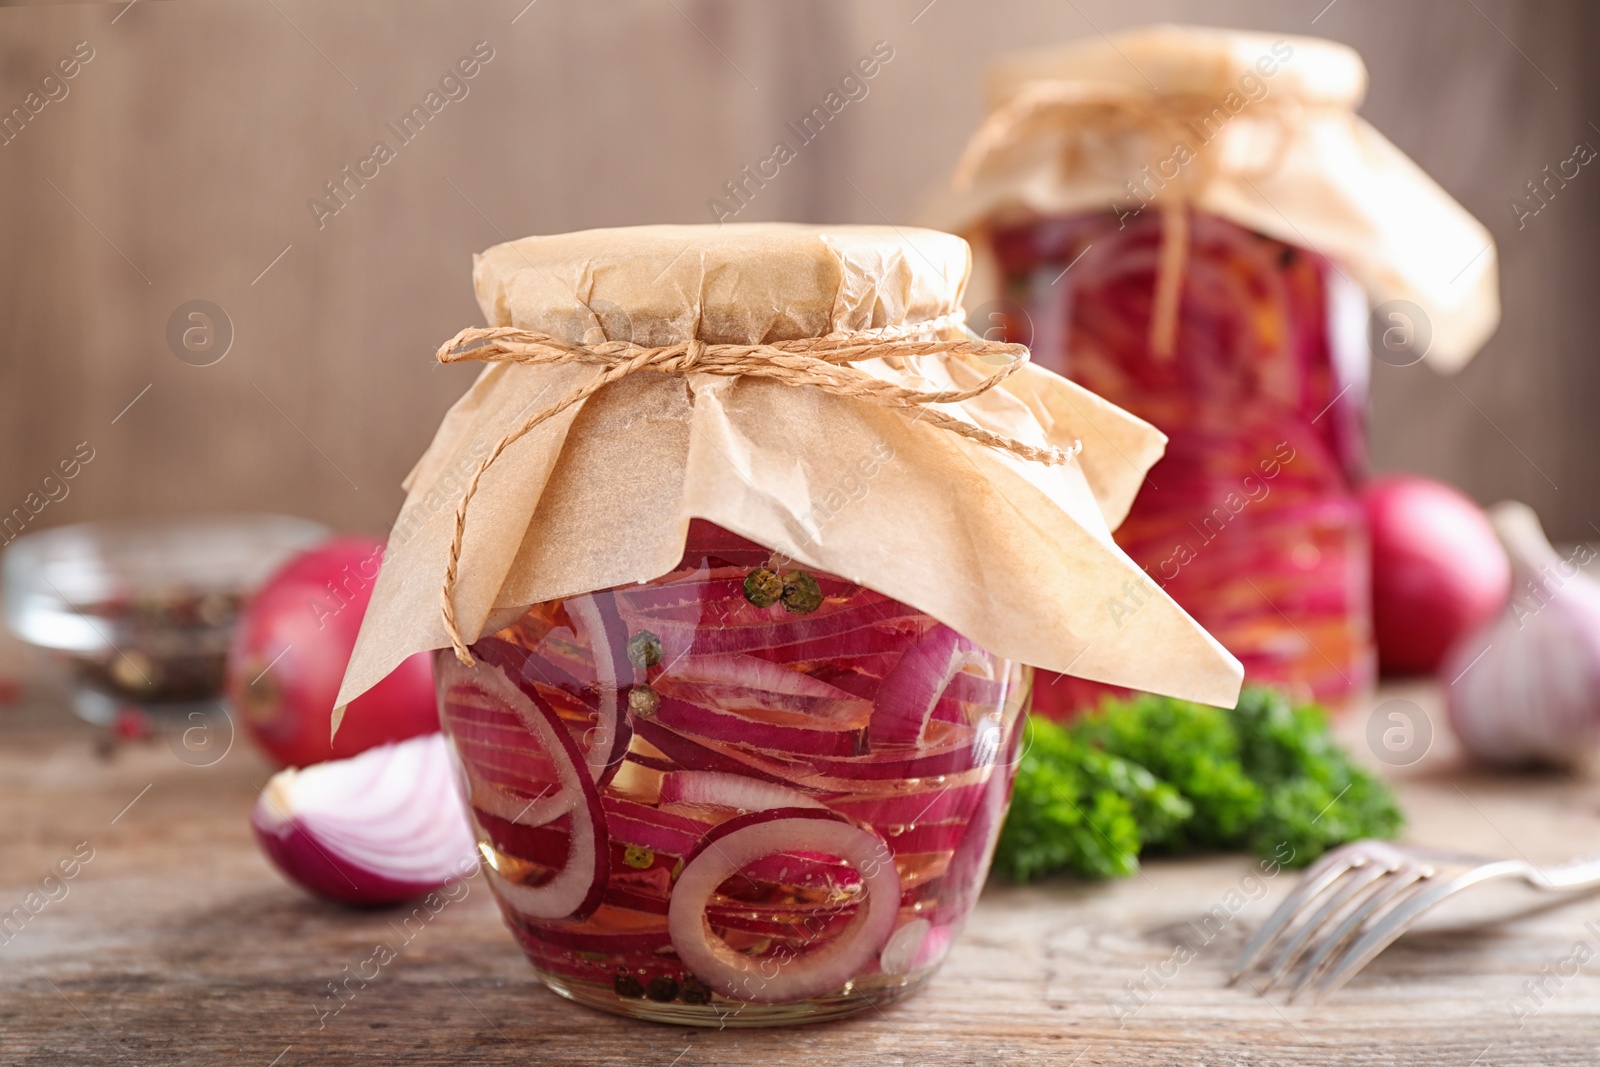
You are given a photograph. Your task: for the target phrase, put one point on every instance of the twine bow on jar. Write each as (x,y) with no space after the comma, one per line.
(824,363)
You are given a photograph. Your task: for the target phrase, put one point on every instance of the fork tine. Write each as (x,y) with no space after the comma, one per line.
(1383,932)
(1404,881)
(1355,881)
(1380,935)
(1317,878)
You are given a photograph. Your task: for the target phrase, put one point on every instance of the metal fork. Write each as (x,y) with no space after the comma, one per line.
(1355,901)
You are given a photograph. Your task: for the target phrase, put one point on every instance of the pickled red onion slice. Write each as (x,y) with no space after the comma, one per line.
(912,689)
(969,863)
(602,627)
(762,689)
(903,946)
(873,641)
(604,743)
(735,728)
(697,636)
(816,972)
(638,824)
(380,827)
(932,802)
(730,791)
(579,885)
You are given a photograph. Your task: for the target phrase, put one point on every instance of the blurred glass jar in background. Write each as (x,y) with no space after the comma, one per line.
(1251,519)
(141,611)
(1190,222)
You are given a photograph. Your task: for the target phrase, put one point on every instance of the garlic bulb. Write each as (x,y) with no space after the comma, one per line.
(1526,687)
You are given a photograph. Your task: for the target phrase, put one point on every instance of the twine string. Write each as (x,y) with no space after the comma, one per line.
(825,363)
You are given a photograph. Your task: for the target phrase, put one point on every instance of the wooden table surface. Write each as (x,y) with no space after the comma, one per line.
(177,944)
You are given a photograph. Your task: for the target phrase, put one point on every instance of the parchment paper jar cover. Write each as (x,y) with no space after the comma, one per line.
(1260,129)
(701,800)
(1017,556)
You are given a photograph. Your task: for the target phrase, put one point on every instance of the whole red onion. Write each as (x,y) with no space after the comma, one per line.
(289,653)
(1438,571)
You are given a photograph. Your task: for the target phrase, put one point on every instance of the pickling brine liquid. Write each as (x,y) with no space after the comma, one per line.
(1251,520)
(744,793)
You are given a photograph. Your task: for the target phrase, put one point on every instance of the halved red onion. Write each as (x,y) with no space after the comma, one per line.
(730,791)
(903,946)
(579,885)
(910,691)
(377,828)
(818,971)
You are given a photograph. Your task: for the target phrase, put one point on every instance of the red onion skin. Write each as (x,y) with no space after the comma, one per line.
(1438,571)
(305,862)
(289,652)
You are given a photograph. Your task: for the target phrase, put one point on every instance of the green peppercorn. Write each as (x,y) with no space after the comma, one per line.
(801,593)
(662,987)
(638,857)
(643,701)
(763,587)
(644,649)
(695,991)
(627,985)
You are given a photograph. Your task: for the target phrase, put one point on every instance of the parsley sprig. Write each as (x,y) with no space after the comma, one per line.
(1156,775)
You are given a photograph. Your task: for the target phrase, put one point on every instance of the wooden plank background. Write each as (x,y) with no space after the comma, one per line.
(180,163)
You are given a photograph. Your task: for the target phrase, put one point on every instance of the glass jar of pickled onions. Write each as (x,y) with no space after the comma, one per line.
(1182,220)
(743,793)
(733,556)
(1251,520)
